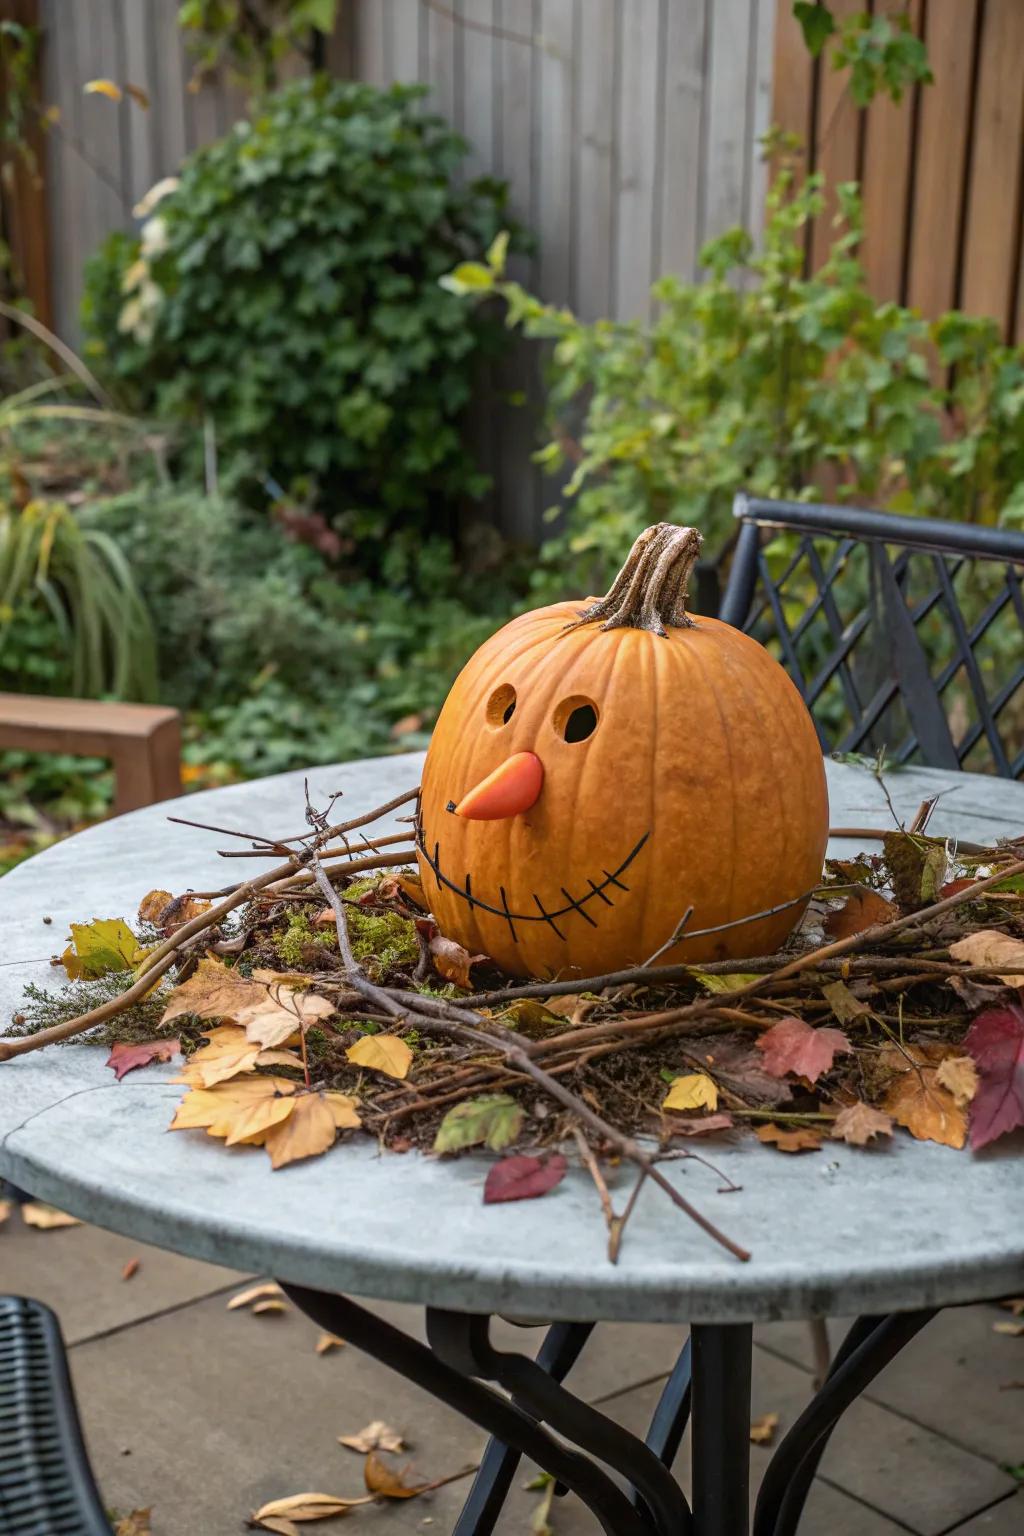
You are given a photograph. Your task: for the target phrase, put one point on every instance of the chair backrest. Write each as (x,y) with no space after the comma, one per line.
(901,633)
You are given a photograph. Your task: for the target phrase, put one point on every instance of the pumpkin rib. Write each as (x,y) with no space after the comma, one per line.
(729,775)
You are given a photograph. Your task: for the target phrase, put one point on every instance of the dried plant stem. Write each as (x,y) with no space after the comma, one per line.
(138,989)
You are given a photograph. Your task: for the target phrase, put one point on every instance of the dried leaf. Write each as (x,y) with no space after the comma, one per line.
(382,1053)
(494,1120)
(138,95)
(135,1524)
(152,905)
(917,1101)
(270,1011)
(843,1003)
(344,1109)
(385,1482)
(102,88)
(704,1125)
(254,1122)
(254,1293)
(375,1436)
(278,1524)
(762,1430)
(126,1056)
(308,1131)
(800,1139)
(35,1213)
(1012,1330)
(995,1041)
(991,950)
(229,1052)
(732,981)
(328,1341)
(863,908)
(522,1178)
(6,1207)
(791,1045)
(858,1124)
(739,1067)
(960,1075)
(216,1109)
(131,1267)
(452,961)
(97,948)
(272,1305)
(307,1506)
(695,1090)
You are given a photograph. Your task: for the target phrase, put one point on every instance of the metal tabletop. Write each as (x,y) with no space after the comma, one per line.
(841,1231)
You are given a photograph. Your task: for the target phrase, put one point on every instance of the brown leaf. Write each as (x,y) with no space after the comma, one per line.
(991,950)
(328,1341)
(35,1213)
(131,1267)
(152,905)
(917,1101)
(253,1293)
(800,1139)
(1012,1330)
(762,1430)
(386,1482)
(278,1524)
(793,1046)
(162,910)
(863,908)
(308,1131)
(270,1011)
(858,1124)
(843,1003)
(135,1524)
(375,1436)
(382,1053)
(960,1075)
(228,1053)
(704,1125)
(307,1506)
(272,1305)
(452,961)
(126,1056)
(1014,1304)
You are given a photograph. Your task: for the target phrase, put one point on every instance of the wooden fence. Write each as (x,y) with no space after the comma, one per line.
(941,173)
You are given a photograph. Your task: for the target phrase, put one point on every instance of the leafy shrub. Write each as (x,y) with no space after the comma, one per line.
(762,379)
(287,288)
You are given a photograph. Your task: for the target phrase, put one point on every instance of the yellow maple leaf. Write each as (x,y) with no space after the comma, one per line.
(291,1123)
(307,1131)
(269,1011)
(253,1122)
(229,1053)
(97,948)
(216,1109)
(384,1053)
(344,1110)
(693,1091)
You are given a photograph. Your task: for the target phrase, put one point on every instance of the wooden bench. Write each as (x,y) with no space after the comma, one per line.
(143,741)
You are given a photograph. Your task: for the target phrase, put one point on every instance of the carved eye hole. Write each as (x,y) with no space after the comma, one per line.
(501,705)
(576,718)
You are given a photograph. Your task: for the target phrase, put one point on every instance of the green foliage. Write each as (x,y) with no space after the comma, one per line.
(252,37)
(287,289)
(493,1120)
(19,55)
(881,51)
(762,379)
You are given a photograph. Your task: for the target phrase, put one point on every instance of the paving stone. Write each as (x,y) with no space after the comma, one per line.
(1003,1519)
(77,1272)
(948,1377)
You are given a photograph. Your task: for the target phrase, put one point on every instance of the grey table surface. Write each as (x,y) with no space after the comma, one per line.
(840,1232)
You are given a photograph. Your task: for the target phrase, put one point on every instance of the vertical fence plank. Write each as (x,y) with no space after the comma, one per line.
(762,53)
(440,48)
(135,23)
(885,185)
(725,117)
(637,131)
(595,93)
(685,40)
(554,128)
(994,187)
(792,78)
(405,19)
(370,20)
(837,139)
(477,91)
(943,130)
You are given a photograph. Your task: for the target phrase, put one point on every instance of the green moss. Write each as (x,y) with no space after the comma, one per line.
(293,943)
(382,941)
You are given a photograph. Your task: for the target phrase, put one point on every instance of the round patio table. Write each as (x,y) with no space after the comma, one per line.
(847,1232)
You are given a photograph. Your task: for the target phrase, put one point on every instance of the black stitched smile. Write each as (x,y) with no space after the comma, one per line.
(598,889)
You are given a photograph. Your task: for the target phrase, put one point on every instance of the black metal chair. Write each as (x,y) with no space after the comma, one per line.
(46,1483)
(901,633)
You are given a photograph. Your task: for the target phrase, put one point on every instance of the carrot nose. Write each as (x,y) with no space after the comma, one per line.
(511,788)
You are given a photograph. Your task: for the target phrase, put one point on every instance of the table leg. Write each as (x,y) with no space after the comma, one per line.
(721,1428)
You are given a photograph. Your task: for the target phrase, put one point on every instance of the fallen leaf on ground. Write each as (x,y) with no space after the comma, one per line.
(269,1011)
(704,1125)
(6,1207)
(695,1090)
(135,1524)
(97,948)
(344,1109)
(843,1003)
(162,910)
(1012,1330)
(493,1120)
(270,1112)
(991,950)
(278,1524)
(791,1045)
(732,981)
(801,1139)
(919,1102)
(376,1436)
(387,1482)
(131,1267)
(217,1109)
(309,1130)
(858,1124)
(307,1506)
(762,1430)
(253,1293)
(382,1053)
(328,1341)
(995,1041)
(522,1178)
(960,1075)
(452,961)
(35,1213)
(228,1052)
(863,908)
(740,1068)
(126,1056)
(273,1305)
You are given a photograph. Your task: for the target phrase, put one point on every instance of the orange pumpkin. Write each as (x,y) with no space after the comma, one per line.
(595,775)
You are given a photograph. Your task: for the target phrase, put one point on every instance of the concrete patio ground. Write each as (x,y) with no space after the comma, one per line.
(204,1413)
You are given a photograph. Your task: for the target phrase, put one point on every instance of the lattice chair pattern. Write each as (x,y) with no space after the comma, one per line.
(901,633)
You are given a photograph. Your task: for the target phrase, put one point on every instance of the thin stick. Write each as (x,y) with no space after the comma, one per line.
(107,1010)
(586,1152)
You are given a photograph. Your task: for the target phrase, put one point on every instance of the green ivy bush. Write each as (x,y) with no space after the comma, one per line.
(286,287)
(758,378)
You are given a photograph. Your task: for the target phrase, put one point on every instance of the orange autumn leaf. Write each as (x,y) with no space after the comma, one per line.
(306,1132)
(858,1124)
(268,1009)
(863,908)
(800,1139)
(919,1102)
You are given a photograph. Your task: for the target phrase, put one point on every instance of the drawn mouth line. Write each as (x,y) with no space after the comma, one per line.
(598,890)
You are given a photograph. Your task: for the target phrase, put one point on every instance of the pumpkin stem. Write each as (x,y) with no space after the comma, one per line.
(651,589)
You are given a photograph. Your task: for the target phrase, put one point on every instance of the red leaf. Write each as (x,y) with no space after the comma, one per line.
(523,1178)
(954,887)
(126,1055)
(793,1046)
(996,1041)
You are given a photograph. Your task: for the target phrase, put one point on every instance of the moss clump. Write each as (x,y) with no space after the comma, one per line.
(382,941)
(298,942)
